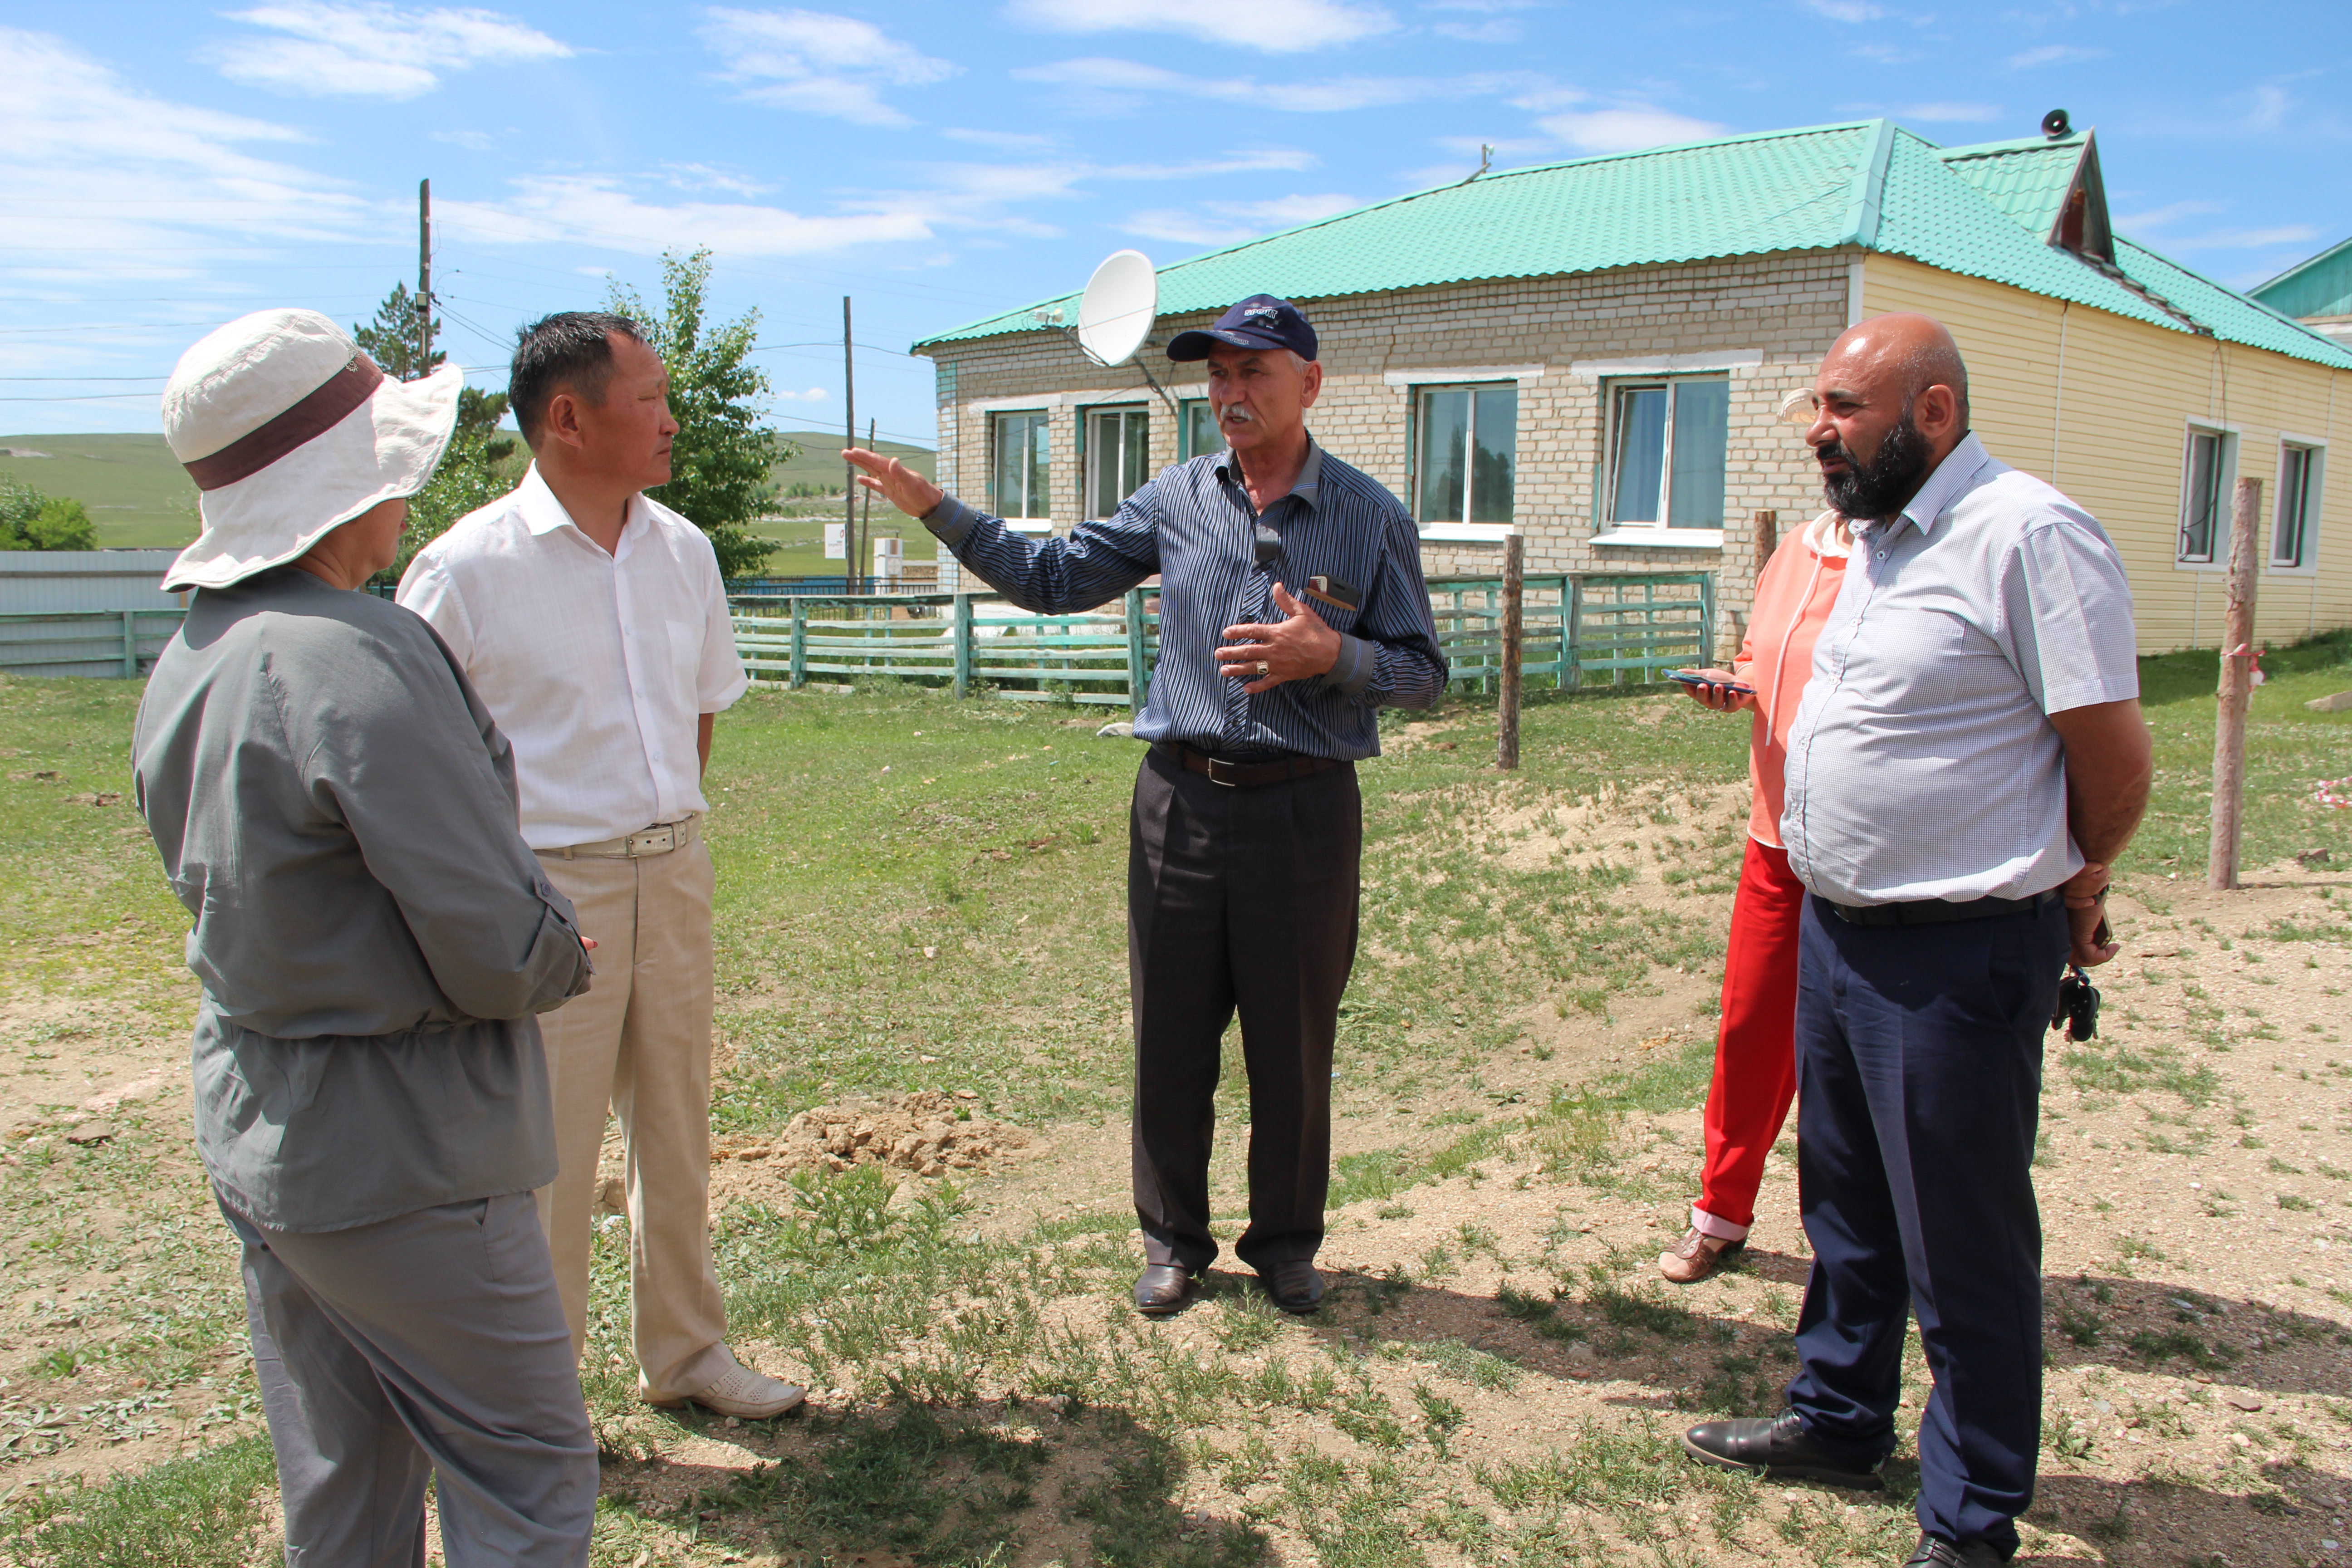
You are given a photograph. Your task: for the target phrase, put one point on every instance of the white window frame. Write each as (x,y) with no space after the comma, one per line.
(1092,467)
(2314,496)
(2219,560)
(1653,533)
(996,417)
(1492,381)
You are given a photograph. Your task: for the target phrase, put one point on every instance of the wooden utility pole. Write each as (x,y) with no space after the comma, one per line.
(865,541)
(848,438)
(2237,688)
(424,278)
(1507,716)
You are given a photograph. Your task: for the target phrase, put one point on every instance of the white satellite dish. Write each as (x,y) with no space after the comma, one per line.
(1115,313)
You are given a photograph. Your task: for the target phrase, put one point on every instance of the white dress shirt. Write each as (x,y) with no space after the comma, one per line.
(598,668)
(1922,764)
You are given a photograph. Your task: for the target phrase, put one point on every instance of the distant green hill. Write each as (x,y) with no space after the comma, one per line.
(136,493)
(138,496)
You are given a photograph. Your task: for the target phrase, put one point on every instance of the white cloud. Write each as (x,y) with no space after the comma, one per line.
(817,63)
(472,141)
(1950,113)
(1223,223)
(369,50)
(1884,54)
(1627,129)
(1851,11)
(1010,140)
(704,178)
(101,176)
(1272,26)
(599,210)
(813,394)
(2052,55)
(2247,238)
(2171,211)
(1116,86)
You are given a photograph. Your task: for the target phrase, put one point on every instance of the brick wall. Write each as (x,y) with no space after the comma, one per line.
(1767,319)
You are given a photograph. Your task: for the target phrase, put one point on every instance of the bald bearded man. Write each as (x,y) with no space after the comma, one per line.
(1967,762)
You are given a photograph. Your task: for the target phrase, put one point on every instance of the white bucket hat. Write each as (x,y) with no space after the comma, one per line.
(289,431)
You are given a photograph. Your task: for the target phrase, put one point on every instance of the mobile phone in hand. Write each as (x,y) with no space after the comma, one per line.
(1692,678)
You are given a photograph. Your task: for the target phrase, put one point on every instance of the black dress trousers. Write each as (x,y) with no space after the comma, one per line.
(1238,898)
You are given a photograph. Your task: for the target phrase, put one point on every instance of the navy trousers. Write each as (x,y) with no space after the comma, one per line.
(1919,1084)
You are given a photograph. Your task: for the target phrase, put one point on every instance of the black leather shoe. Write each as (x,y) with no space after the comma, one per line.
(1163,1288)
(1933,1553)
(1780,1450)
(1294,1286)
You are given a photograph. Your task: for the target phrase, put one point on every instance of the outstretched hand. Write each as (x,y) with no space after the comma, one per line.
(1293,648)
(895,482)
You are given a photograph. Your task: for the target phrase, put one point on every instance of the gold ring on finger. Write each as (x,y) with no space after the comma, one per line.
(1263,670)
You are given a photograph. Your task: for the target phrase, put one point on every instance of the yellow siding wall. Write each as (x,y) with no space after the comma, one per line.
(2098,404)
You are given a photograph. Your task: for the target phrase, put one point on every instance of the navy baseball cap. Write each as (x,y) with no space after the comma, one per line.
(1260,321)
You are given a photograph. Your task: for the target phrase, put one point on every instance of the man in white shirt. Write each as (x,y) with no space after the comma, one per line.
(594,625)
(1967,762)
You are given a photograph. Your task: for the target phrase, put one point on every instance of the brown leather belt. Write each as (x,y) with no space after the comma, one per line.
(1216,770)
(1936,912)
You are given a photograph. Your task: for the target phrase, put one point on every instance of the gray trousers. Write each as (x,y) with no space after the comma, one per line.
(432,1344)
(1238,899)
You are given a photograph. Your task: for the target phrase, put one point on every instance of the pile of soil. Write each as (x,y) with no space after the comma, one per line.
(929,1134)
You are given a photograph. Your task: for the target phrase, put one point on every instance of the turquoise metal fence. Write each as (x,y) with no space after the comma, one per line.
(1576,628)
(118,643)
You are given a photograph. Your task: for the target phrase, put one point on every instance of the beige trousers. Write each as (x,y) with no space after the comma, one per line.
(639,1042)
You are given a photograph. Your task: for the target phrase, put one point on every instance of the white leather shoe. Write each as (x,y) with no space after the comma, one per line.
(746,1395)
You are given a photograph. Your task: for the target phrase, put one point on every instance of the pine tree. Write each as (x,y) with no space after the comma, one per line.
(391,341)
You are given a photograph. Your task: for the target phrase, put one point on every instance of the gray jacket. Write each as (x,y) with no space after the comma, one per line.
(336,809)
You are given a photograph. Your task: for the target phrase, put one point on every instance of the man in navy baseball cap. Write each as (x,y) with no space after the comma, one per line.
(1260,321)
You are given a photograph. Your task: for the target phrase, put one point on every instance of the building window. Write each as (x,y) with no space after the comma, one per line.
(1196,429)
(2204,485)
(1118,447)
(2298,506)
(1018,482)
(1469,452)
(1667,441)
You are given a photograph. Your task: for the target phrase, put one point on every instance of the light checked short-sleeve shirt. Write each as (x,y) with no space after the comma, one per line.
(1923,763)
(597,667)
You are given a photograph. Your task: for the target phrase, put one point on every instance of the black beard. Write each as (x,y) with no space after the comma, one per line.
(1869,492)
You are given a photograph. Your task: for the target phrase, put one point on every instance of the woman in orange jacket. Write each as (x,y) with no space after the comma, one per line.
(1755,1052)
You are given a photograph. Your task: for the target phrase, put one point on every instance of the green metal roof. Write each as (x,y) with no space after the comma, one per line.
(2319,287)
(1867,183)
(2028,179)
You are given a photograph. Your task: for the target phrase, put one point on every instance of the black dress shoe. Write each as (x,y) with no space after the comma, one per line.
(1164,1288)
(1780,1450)
(1294,1286)
(1933,1553)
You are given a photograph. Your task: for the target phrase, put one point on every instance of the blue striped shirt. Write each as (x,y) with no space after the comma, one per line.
(1194,525)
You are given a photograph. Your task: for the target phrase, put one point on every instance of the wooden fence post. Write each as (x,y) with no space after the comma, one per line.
(1506,715)
(800,643)
(2237,686)
(962,646)
(1571,631)
(1137,681)
(130,645)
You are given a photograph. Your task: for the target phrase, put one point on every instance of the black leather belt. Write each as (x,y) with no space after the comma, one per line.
(1938,912)
(1217,770)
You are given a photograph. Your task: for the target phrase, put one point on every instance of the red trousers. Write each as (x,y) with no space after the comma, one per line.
(1755,1054)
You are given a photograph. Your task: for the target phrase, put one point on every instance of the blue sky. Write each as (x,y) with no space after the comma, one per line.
(164,168)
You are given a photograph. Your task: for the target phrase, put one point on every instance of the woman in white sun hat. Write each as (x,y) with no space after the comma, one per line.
(337,810)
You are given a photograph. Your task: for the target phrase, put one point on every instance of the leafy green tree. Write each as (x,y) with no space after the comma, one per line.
(31,520)
(479,414)
(723,456)
(478,468)
(391,339)
(62,524)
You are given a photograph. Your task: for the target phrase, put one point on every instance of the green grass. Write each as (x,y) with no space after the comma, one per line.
(199,1512)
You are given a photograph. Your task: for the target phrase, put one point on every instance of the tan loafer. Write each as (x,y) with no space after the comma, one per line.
(1694,1256)
(746,1395)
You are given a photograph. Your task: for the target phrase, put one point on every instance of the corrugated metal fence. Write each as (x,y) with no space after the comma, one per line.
(85,612)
